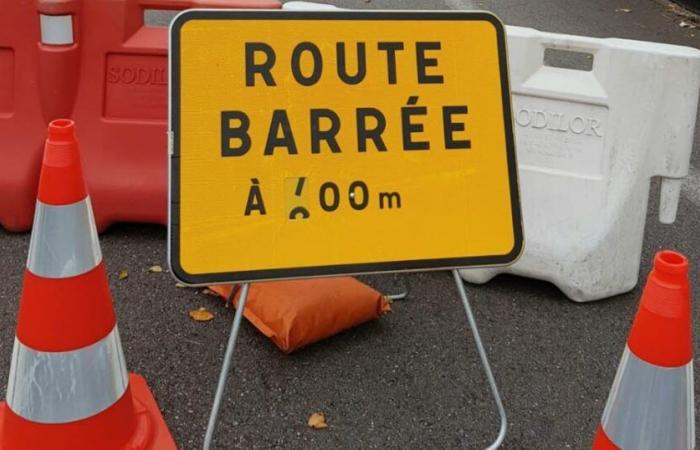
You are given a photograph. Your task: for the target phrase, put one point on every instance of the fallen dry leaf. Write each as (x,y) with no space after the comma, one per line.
(201,315)
(180,285)
(685,24)
(623,10)
(123,274)
(155,269)
(317,421)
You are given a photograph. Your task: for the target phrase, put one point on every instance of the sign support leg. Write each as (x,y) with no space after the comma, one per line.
(404,290)
(228,356)
(231,345)
(400,296)
(484,361)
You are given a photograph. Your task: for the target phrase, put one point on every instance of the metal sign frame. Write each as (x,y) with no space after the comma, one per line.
(173,250)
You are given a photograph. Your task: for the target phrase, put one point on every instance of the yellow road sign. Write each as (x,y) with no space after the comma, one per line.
(319,143)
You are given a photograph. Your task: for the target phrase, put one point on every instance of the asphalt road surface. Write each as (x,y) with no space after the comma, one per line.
(411,379)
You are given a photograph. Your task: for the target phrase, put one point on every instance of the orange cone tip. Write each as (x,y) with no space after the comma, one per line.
(61,181)
(662,330)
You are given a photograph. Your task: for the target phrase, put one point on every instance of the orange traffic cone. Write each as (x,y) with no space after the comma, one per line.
(68,387)
(651,401)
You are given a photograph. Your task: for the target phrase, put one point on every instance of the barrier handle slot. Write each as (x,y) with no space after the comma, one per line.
(568,43)
(184,4)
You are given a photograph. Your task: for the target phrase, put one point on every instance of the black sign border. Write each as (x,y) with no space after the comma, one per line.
(344,269)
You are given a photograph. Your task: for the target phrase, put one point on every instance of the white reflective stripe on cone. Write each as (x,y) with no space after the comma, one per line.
(650,407)
(60,387)
(64,240)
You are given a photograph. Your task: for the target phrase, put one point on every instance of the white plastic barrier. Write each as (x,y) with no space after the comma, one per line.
(588,142)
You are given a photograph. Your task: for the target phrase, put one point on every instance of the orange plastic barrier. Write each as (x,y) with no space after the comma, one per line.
(99,63)
(22,125)
(297,313)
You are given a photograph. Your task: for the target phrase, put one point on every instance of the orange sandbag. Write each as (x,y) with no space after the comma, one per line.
(300,312)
